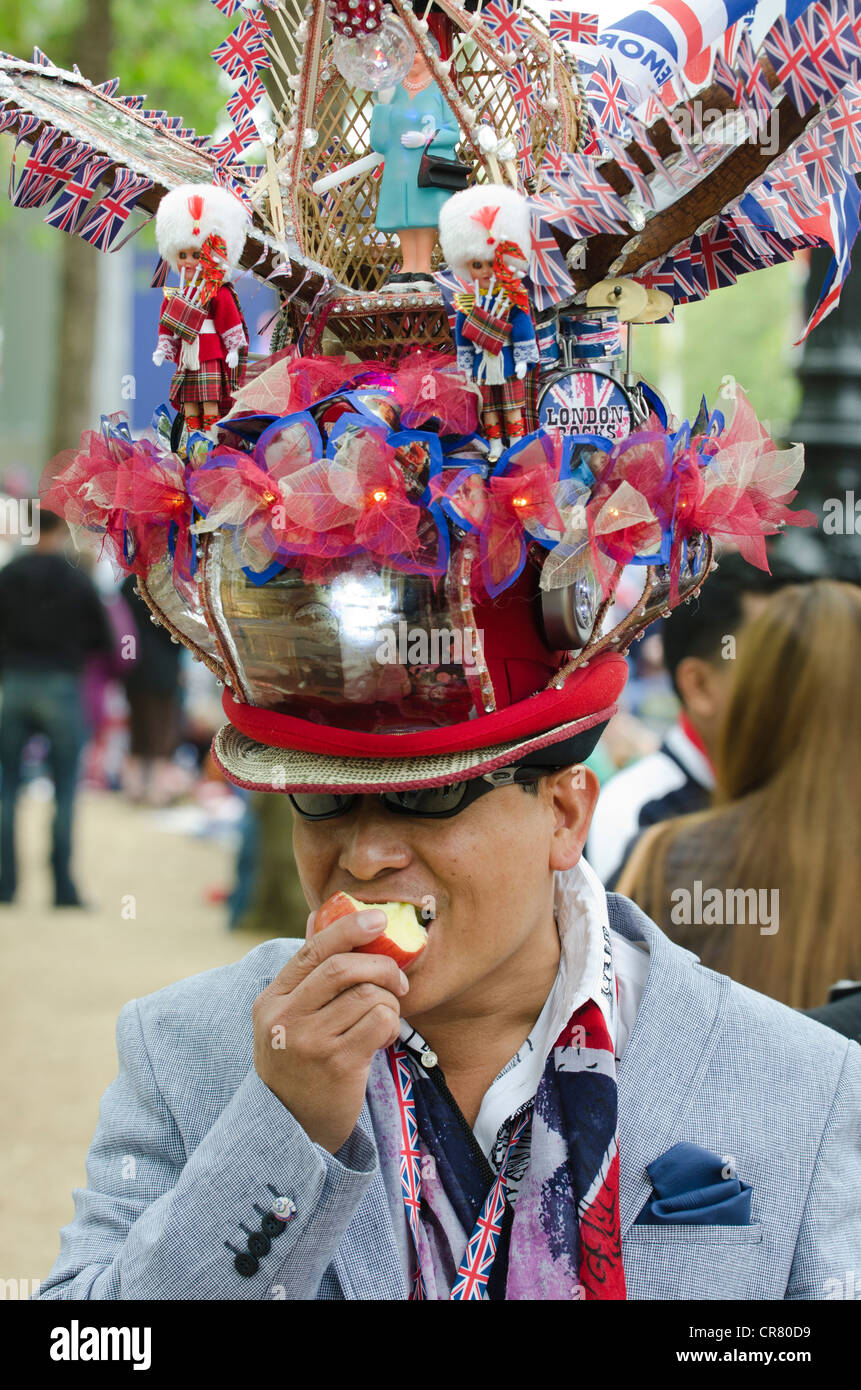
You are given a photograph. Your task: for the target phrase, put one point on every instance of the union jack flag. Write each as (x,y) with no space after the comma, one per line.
(818,151)
(749,68)
(573,27)
(721,258)
(242,52)
(227,7)
(245,98)
(525,159)
(632,171)
(522,91)
(45,170)
(41,59)
(846,128)
(505,24)
(659,275)
(609,99)
(554,158)
(795,56)
(236,142)
(841,54)
(548,274)
(732,82)
(69,209)
(9,118)
(110,215)
(157,117)
(775,207)
(133,103)
(109,88)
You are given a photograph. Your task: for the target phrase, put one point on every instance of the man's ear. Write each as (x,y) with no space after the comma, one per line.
(573,793)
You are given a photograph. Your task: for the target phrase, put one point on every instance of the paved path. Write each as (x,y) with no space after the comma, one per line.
(64,976)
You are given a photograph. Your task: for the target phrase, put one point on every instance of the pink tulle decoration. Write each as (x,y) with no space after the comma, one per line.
(429,385)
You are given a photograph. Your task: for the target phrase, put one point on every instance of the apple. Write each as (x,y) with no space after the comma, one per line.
(404,937)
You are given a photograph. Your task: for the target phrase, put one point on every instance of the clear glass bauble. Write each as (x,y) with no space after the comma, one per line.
(372,62)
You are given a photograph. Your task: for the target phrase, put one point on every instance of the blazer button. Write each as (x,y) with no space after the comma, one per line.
(271,1225)
(259,1244)
(246,1265)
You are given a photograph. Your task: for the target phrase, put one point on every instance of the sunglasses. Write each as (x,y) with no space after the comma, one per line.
(428,803)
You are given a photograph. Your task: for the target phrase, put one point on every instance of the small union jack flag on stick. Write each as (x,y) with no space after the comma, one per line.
(227,7)
(609,99)
(571,27)
(796,57)
(110,215)
(548,277)
(845,126)
(505,24)
(242,52)
(245,98)
(237,141)
(522,90)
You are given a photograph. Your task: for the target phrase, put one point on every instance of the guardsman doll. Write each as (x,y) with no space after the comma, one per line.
(200,230)
(485,233)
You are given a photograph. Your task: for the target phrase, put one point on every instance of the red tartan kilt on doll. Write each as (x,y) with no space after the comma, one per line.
(212,380)
(508,395)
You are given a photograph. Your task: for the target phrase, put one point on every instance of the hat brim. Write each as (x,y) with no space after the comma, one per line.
(270,767)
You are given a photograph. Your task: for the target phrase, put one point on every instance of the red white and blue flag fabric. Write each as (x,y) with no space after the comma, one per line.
(68,212)
(506,25)
(110,215)
(227,7)
(609,100)
(523,93)
(547,278)
(570,27)
(237,141)
(242,52)
(243,101)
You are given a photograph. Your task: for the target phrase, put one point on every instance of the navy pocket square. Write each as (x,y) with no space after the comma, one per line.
(690,1189)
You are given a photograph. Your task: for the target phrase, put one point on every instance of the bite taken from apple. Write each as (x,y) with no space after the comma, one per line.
(404,938)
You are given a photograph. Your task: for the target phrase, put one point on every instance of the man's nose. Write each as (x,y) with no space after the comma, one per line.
(374,843)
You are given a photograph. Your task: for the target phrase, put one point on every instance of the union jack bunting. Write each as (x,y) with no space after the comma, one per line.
(157,117)
(525,158)
(573,27)
(609,99)
(133,103)
(111,213)
(626,163)
(836,223)
(45,170)
(840,34)
(749,68)
(845,123)
(554,160)
(796,57)
(775,207)
(227,7)
(242,52)
(505,24)
(237,141)
(245,98)
(548,276)
(40,59)
(721,258)
(226,179)
(69,209)
(8,117)
(818,152)
(732,82)
(109,88)
(520,84)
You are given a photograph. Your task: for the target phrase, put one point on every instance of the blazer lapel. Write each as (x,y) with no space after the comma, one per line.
(678,1023)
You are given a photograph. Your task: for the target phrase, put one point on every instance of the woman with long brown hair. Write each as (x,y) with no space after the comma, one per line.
(765,885)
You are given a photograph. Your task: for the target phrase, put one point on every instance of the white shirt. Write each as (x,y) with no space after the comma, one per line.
(590,952)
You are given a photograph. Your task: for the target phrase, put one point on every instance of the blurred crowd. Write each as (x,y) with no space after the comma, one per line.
(729,808)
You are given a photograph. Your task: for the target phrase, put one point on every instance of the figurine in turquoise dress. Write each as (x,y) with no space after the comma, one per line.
(417,117)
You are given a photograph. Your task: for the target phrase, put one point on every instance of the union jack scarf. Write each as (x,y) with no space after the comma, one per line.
(541,1221)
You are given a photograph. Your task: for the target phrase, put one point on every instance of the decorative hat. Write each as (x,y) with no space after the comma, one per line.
(189,214)
(472,224)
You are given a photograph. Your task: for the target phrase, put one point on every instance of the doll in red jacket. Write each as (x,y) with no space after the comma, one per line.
(200,231)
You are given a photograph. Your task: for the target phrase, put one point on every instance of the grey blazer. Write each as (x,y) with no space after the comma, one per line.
(189,1137)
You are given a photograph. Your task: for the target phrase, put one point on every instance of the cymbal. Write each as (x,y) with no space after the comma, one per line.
(627,297)
(658,305)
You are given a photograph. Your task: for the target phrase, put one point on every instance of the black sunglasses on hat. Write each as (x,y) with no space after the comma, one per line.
(427,803)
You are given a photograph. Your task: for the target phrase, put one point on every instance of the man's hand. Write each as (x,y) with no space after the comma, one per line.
(319,1023)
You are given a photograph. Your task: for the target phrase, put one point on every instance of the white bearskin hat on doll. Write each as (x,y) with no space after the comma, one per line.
(189,214)
(473,223)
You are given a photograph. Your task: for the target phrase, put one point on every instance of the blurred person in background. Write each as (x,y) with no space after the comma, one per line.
(51,622)
(152,684)
(786,816)
(678,778)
